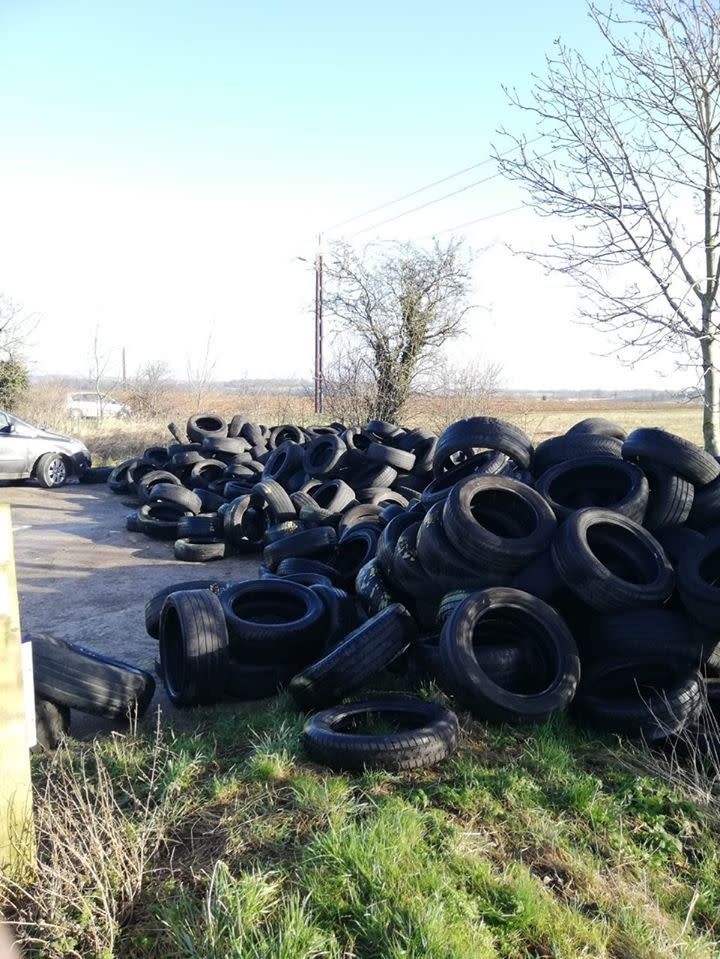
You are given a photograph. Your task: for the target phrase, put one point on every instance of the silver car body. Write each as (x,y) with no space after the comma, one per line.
(94,406)
(22,445)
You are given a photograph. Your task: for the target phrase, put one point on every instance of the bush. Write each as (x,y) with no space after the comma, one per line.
(13,382)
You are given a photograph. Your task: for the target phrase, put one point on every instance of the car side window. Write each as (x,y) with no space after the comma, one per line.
(4,422)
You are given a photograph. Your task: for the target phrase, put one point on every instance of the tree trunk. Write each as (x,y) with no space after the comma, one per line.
(711,410)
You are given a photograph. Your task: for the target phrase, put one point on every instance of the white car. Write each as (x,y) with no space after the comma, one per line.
(94,406)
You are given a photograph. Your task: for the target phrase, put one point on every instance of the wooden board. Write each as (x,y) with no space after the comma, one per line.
(16,838)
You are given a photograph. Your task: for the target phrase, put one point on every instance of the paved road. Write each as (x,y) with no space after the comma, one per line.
(84,578)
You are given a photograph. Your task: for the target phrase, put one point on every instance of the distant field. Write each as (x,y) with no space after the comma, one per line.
(114,440)
(684,420)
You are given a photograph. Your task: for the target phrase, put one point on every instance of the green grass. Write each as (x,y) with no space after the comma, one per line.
(218,839)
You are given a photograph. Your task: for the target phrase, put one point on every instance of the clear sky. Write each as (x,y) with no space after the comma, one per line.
(163,163)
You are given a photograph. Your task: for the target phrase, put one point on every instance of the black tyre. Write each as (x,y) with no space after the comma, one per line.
(364,514)
(408,576)
(489,463)
(324,455)
(222,447)
(675,540)
(154,606)
(200,549)
(151,480)
(295,565)
(497,612)
(573,446)
(705,511)
(673,452)
(475,518)
(671,498)
(193,647)
(361,655)
(207,472)
(470,436)
(387,543)
(372,589)
(90,683)
(649,699)
(387,456)
(427,734)
(699,581)
(318,543)
(206,526)
(644,633)
(610,562)
(340,612)
(175,495)
(160,520)
(448,568)
(287,433)
(117,480)
(137,470)
(273,620)
(333,496)
(272,499)
(357,547)
(283,462)
(248,681)
(96,474)
(204,425)
(52,722)
(599,426)
(605,482)
(381,429)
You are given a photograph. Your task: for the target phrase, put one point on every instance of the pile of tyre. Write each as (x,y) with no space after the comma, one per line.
(218,493)
(68,677)
(583,574)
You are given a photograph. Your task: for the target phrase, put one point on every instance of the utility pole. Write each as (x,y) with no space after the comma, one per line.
(319,329)
(124,377)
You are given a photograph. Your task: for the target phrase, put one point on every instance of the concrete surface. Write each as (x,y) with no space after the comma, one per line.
(82,577)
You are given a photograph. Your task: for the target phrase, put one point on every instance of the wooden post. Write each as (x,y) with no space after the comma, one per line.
(16,835)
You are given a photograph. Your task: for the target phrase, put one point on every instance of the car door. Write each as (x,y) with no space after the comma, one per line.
(14,449)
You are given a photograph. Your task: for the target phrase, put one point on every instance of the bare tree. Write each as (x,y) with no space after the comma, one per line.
(100,356)
(151,390)
(452,391)
(629,157)
(399,303)
(16,325)
(349,387)
(200,370)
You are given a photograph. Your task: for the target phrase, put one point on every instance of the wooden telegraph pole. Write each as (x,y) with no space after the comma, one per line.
(16,835)
(319,329)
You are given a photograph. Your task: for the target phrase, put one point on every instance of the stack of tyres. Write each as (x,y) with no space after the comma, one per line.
(581,574)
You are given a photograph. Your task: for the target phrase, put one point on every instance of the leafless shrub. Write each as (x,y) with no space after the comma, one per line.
(452,391)
(151,391)
(349,388)
(689,761)
(98,829)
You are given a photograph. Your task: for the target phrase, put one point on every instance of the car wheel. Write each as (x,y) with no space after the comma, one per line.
(51,470)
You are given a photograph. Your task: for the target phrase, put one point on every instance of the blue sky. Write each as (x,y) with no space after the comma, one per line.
(164,163)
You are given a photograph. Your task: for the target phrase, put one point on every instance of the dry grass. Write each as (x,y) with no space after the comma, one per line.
(114,440)
(97,831)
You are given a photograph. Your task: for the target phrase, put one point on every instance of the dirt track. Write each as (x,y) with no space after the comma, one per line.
(84,578)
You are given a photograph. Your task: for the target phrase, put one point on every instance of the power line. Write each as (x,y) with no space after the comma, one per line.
(490,216)
(422,189)
(439,199)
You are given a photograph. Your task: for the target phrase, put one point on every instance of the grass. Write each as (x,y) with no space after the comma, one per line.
(112,441)
(215,837)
